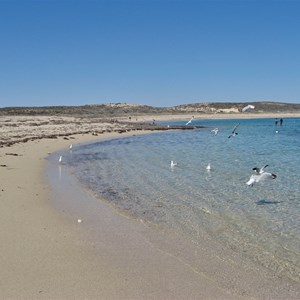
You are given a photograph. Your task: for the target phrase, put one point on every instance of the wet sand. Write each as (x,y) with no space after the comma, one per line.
(47,254)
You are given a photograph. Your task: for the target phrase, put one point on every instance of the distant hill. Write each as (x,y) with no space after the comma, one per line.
(124,109)
(235,107)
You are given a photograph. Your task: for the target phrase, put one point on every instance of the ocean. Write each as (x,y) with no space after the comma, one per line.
(261,221)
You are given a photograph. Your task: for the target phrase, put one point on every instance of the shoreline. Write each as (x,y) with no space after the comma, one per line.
(21,129)
(129,245)
(206,116)
(48,254)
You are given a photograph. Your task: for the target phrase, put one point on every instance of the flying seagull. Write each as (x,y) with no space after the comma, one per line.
(248,107)
(190,121)
(260,177)
(233,133)
(260,170)
(215,131)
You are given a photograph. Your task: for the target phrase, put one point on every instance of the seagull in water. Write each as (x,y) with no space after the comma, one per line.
(173,163)
(60,159)
(190,121)
(233,133)
(208,167)
(71,147)
(260,170)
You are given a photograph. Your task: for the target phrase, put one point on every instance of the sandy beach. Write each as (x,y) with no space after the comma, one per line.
(47,254)
(149,150)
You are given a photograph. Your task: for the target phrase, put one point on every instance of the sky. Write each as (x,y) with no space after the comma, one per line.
(152,52)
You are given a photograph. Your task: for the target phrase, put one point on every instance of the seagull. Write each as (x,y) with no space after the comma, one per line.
(71,147)
(248,107)
(189,122)
(233,133)
(260,170)
(208,167)
(215,131)
(260,177)
(173,163)
(60,159)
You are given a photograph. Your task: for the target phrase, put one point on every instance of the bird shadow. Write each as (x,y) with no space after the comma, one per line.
(265,202)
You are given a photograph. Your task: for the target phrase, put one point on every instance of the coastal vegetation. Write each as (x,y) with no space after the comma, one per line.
(124,109)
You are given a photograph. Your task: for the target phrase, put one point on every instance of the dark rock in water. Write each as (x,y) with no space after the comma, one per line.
(264,202)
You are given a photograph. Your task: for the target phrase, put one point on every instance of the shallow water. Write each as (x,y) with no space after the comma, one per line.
(262,221)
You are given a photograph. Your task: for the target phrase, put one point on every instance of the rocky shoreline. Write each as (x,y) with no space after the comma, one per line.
(21,129)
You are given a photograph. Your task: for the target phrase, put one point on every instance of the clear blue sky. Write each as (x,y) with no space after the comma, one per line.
(161,53)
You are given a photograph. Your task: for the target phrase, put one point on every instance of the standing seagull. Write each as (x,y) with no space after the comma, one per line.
(173,163)
(208,167)
(60,160)
(71,147)
(190,121)
(233,133)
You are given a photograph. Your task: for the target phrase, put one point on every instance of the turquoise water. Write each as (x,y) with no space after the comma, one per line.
(262,222)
